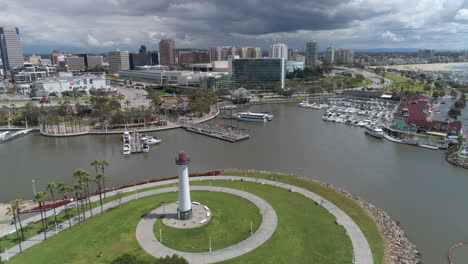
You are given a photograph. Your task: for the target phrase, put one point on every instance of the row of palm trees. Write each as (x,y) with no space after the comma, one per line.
(78,190)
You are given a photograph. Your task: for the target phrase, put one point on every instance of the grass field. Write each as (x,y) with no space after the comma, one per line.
(306,233)
(229,225)
(365,223)
(402,83)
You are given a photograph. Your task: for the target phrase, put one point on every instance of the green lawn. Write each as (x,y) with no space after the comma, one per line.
(306,232)
(36,228)
(402,83)
(365,223)
(349,82)
(229,225)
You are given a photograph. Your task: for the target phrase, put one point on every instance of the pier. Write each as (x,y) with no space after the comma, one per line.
(14,135)
(135,143)
(227,134)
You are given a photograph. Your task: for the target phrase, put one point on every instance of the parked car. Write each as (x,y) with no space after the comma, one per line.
(44,101)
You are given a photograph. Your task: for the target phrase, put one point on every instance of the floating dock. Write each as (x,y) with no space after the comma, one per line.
(12,135)
(217,132)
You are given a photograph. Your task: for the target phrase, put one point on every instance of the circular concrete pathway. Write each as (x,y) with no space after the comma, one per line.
(151,244)
(201,215)
(361,250)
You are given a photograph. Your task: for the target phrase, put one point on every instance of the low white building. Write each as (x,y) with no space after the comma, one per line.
(67,82)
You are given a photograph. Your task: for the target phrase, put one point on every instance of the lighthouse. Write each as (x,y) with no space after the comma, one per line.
(184,212)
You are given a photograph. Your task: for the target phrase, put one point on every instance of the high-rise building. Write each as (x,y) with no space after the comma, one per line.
(311,53)
(137,59)
(279,51)
(75,64)
(92,62)
(118,60)
(11,49)
(427,54)
(329,55)
(191,57)
(250,52)
(167,54)
(153,58)
(344,56)
(222,53)
(259,73)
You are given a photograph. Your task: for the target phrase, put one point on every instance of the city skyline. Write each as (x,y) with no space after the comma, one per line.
(204,24)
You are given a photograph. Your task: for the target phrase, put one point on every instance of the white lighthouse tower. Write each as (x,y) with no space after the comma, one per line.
(184,211)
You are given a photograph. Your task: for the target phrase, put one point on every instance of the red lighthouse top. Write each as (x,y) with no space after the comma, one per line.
(182,158)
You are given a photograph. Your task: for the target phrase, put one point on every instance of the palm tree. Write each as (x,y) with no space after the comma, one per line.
(19,206)
(103,164)
(83,178)
(96,165)
(40,198)
(77,189)
(99,180)
(11,211)
(64,189)
(50,187)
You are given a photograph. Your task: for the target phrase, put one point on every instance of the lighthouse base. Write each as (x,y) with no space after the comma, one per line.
(184,215)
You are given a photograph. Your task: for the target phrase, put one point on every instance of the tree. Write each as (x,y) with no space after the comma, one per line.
(155,98)
(460,140)
(119,195)
(99,180)
(103,164)
(11,211)
(77,189)
(51,186)
(40,198)
(453,93)
(83,178)
(64,189)
(174,259)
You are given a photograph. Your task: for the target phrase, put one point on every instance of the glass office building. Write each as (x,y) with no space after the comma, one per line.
(259,73)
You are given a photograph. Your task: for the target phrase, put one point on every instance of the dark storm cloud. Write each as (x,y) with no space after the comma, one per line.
(255,17)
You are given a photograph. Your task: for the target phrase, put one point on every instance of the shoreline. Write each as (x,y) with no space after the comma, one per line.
(397,246)
(425,67)
(5,220)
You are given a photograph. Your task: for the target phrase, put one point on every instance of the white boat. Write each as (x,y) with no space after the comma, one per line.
(126,149)
(152,140)
(252,117)
(374,131)
(305,104)
(126,137)
(3,134)
(145,147)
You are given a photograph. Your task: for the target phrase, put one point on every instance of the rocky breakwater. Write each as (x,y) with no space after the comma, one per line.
(454,159)
(398,248)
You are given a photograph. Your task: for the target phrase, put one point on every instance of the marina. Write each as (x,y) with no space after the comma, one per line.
(402,177)
(226,133)
(137,143)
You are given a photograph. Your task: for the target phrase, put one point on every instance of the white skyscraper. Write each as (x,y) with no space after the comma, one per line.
(11,49)
(185,205)
(279,51)
(118,60)
(329,55)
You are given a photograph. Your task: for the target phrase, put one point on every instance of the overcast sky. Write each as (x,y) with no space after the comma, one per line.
(102,25)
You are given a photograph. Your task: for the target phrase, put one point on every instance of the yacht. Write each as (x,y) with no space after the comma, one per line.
(145,147)
(126,149)
(3,135)
(152,140)
(126,136)
(374,131)
(305,104)
(253,117)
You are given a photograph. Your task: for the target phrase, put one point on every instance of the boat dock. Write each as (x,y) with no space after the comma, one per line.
(135,143)
(6,136)
(227,134)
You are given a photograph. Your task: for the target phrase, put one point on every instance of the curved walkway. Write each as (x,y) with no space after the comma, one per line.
(149,242)
(361,249)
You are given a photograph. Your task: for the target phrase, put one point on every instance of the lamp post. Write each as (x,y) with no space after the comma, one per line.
(34,187)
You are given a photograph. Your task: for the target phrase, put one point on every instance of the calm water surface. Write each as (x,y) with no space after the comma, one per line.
(416,186)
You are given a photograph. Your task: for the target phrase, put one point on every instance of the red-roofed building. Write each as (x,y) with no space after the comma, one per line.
(412,115)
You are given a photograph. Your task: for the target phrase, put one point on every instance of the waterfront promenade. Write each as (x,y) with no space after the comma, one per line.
(361,250)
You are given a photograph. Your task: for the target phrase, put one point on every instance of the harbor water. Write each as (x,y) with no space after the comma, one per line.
(427,195)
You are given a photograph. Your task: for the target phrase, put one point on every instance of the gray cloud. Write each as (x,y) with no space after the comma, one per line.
(100,25)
